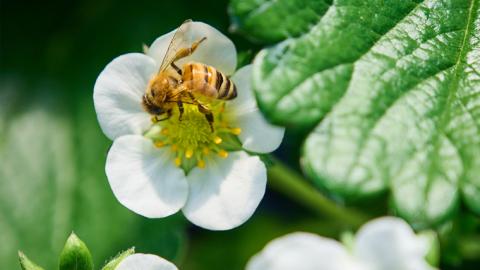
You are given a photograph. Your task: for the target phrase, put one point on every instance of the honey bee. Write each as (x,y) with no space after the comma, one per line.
(173,86)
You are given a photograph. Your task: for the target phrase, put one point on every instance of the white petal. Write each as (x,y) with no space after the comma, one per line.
(141,261)
(390,243)
(303,251)
(217,50)
(257,134)
(144,178)
(159,47)
(118,95)
(226,192)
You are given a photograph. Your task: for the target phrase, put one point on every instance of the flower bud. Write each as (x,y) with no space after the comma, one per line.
(75,255)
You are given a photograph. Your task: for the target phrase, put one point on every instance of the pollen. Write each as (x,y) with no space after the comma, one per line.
(174,147)
(191,140)
(223,153)
(217,140)
(236,131)
(189,153)
(178,161)
(159,144)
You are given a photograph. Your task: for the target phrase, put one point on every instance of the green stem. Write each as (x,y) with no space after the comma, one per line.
(292,184)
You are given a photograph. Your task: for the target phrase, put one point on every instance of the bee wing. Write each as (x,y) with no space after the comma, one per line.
(180,40)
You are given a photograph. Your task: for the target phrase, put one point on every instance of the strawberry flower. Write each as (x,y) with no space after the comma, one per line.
(386,243)
(141,261)
(159,168)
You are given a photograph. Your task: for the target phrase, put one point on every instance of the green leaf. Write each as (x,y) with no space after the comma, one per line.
(75,255)
(433,254)
(391,91)
(26,264)
(112,264)
(52,181)
(269,21)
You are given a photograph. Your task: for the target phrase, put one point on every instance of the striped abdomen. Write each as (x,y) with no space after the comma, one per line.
(208,81)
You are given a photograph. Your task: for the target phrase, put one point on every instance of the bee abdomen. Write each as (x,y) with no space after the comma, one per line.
(225,87)
(207,79)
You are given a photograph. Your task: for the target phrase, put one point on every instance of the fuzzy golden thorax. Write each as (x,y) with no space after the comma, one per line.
(158,94)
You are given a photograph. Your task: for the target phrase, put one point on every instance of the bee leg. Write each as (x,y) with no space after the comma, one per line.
(196,43)
(208,114)
(192,97)
(169,114)
(209,117)
(177,69)
(180,109)
(184,52)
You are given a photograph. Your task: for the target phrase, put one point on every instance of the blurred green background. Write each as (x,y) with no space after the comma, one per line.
(52,151)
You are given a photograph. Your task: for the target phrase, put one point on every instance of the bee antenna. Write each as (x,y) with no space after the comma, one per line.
(145,99)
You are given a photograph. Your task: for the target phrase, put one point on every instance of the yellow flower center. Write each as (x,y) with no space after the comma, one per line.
(191,138)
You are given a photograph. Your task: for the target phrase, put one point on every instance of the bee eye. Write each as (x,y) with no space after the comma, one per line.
(157,110)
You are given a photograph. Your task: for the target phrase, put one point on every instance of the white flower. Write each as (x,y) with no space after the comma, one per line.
(141,261)
(382,244)
(151,166)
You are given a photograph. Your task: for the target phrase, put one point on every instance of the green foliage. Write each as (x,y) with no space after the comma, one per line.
(115,261)
(433,255)
(270,21)
(52,181)
(75,255)
(390,89)
(52,151)
(26,264)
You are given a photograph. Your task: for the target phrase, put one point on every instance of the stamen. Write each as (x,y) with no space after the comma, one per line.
(159,144)
(178,161)
(191,139)
(223,153)
(189,153)
(217,140)
(236,131)
(174,147)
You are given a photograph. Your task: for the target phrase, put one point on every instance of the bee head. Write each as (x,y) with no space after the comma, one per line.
(151,107)
(155,98)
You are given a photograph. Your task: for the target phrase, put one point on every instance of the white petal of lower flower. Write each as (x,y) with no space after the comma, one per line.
(303,251)
(217,50)
(144,178)
(257,135)
(141,261)
(390,243)
(226,193)
(117,95)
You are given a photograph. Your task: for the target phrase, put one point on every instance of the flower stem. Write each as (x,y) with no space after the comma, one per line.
(292,184)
